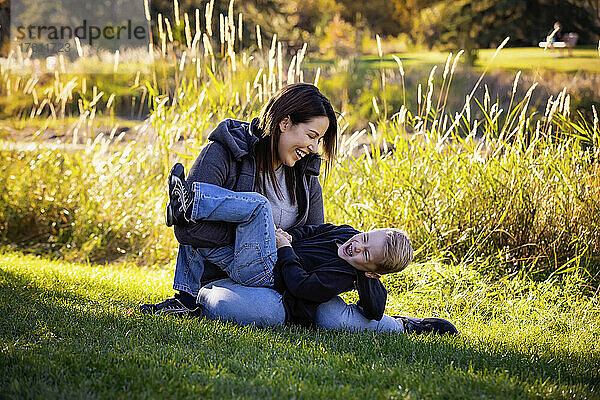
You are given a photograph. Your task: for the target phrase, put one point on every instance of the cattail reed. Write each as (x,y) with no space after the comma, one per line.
(279,66)
(450,80)
(272,60)
(208,51)
(182,62)
(160,25)
(291,71)
(169,30)
(197,22)
(375,107)
(188,31)
(488,66)
(428,97)
(382,71)
(176,12)
(258,38)
(444,76)
(419,98)
(222,32)
(401,69)
(299,60)
(78,46)
(208,13)
(116,63)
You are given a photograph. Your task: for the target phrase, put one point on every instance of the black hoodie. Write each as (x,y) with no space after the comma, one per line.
(228,161)
(310,272)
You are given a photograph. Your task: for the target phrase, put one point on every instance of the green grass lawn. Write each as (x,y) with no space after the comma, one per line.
(73,331)
(518,58)
(532,58)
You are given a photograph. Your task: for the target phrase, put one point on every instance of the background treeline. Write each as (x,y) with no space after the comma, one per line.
(348,26)
(424,23)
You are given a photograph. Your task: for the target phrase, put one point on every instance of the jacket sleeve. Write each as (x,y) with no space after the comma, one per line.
(211,166)
(315,202)
(310,230)
(372,296)
(318,286)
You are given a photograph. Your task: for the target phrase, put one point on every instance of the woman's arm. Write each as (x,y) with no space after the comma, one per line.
(211,166)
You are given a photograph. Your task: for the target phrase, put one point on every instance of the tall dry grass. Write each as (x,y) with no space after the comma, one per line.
(516,188)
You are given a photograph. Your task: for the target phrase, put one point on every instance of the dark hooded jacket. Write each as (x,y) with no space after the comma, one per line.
(228,161)
(310,272)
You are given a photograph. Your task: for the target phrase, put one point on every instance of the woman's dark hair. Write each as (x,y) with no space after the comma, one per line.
(301,102)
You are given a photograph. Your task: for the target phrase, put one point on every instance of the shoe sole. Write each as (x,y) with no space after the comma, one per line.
(179,313)
(169,215)
(438,326)
(169,218)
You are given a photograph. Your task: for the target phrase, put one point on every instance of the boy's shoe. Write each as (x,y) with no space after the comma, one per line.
(179,208)
(426,325)
(170,306)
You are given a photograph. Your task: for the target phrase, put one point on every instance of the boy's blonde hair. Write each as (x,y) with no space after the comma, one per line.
(397,252)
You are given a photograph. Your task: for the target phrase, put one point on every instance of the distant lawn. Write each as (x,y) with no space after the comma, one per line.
(531,58)
(521,58)
(73,331)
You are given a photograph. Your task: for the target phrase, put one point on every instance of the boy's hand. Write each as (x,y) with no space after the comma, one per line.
(281,238)
(372,275)
(284,233)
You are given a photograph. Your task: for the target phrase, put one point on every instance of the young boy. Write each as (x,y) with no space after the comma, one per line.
(308,265)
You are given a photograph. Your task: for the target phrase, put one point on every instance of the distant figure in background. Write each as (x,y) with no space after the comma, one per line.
(556,35)
(558,39)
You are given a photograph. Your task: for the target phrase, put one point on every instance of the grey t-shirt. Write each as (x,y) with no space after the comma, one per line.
(284,213)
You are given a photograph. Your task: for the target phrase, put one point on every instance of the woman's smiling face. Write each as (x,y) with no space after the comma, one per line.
(298,140)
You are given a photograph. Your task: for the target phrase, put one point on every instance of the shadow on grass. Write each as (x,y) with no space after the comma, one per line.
(60,343)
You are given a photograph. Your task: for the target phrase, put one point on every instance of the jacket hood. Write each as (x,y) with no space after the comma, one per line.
(236,136)
(240,137)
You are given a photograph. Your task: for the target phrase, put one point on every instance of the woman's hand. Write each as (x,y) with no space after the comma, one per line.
(282,238)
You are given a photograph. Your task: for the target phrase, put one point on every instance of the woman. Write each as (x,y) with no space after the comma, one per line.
(277,156)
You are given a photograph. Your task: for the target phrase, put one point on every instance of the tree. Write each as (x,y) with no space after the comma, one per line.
(483,24)
(378,15)
(4,27)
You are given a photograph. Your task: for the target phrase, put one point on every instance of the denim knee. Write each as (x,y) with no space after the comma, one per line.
(257,197)
(228,301)
(336,314)
(331,314)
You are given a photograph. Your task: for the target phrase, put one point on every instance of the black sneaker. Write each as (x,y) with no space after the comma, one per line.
(170,306)
(179,208)
(426,325)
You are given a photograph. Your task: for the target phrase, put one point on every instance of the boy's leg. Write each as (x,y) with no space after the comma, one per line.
(254,253)
(337,315)
(215,203)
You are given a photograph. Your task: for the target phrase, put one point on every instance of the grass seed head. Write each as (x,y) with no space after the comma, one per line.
(399,62)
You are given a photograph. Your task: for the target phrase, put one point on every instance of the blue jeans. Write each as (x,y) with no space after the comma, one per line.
(228,301)
(262,306)
(250,261)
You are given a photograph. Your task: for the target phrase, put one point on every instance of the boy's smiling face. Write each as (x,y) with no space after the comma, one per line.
(364,251)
